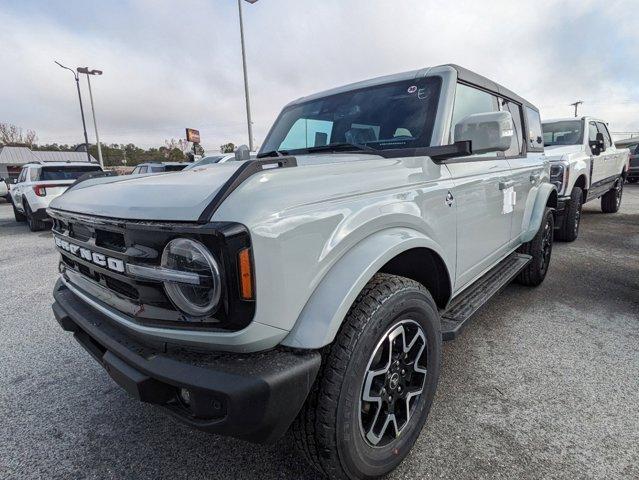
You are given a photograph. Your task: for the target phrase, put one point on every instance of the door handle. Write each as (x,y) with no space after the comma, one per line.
(505,185)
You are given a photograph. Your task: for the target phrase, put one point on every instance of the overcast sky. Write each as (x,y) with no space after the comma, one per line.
(175,64)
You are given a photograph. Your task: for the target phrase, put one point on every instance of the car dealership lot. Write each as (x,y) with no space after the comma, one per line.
(544,383)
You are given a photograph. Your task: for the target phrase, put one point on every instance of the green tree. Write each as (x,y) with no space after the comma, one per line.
(227,148)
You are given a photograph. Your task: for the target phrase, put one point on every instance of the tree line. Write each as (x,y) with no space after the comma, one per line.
(112,154)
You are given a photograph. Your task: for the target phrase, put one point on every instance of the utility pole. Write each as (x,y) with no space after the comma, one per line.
(84,125)
(576,105)
(246,88)
(88,73)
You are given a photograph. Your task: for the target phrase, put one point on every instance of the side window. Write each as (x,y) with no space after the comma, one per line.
(535,136)
(143,169)
(604,130)
(592,132)
(309,132)
(135,171)
(23,174)
(469,100)
(518,136)
(33,174)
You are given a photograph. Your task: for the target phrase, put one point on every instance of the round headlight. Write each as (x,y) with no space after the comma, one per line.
(199,295)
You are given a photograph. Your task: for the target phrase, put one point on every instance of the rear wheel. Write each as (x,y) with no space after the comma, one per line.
(377,382)
(611,201)
(540,249)
(35,225)
(572,217)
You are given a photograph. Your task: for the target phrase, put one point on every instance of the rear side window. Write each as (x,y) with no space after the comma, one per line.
(535,136)
(65,173)
(517,141)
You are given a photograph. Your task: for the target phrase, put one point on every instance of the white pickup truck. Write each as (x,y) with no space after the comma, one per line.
(585,165)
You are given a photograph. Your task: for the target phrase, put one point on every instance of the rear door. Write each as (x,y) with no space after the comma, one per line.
(525,162)
(483,230)
(612,157)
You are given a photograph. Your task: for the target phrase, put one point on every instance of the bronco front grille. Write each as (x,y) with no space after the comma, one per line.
(123,242)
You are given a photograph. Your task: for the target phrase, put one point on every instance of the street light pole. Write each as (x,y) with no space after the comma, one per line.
(246,88)
(88,73)
(84,125)
(576,105)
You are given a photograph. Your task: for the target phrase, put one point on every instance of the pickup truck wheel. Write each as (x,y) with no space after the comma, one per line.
(18,216)
(35,225)
(377,382)
(611,201)
(572,217)
(540,248)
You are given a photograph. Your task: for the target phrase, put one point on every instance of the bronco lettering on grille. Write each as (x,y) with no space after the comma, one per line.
(114,264)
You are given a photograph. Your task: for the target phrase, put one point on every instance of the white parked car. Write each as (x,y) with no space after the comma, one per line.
(208,160)
(39,183)
(585,165)
(4,189)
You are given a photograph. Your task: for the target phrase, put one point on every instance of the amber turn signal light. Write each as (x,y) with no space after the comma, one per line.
(246,274)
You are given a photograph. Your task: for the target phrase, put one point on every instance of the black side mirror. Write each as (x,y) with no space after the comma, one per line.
(599,145)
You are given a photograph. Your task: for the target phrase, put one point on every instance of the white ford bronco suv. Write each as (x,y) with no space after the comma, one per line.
(585,165)
(310,289)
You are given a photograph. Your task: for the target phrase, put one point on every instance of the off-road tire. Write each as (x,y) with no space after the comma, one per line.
(611,201)
(540,249)
(572,217)
(18,216)
(327,430)
(35,225)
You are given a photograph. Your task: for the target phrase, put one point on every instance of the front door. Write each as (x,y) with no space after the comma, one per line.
(598,168)
(483,228)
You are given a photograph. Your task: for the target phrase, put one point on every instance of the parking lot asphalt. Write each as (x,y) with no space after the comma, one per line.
(543,383)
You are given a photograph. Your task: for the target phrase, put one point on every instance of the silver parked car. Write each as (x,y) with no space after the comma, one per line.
(310,290)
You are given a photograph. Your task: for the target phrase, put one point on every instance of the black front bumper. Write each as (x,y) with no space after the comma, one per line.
(254,397)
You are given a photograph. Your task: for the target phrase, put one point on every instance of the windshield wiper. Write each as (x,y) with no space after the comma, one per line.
(341,147)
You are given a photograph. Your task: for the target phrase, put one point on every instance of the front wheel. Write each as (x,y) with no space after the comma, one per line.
(18,216)
(572,217)
(611,201)
(377,382)
(540,249)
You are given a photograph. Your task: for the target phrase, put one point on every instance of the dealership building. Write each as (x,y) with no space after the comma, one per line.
(13,158)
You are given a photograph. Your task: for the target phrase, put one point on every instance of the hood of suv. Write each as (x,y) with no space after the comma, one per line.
(179,196)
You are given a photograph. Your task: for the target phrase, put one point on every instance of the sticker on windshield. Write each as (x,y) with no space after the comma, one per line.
(412,89)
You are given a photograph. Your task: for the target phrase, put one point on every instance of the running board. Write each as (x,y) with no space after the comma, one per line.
(462,308)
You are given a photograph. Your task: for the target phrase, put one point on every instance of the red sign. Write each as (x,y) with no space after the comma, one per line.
(192,135)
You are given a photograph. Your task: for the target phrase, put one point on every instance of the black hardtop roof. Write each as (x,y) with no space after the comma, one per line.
(473,78)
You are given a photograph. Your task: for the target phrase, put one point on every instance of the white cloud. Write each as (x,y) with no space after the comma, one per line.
(169,65)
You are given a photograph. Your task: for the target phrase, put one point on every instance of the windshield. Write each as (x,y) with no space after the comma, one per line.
(205,161)
(567,132)
(394,115)
(65,173)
